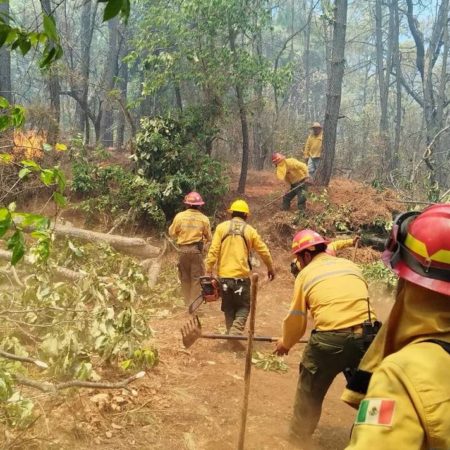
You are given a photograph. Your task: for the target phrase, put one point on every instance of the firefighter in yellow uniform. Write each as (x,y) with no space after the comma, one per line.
(313,148)
(230,252)
(192,230)
(295,173)
(402,384)
(335,292)
(332,249)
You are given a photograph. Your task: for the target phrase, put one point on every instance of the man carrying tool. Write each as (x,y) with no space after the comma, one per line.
(334,291)
(230,250)
(402,385)
(192,230)
(295,173)
(313,148)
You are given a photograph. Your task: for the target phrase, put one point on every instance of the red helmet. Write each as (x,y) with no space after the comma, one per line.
(193,199)
(306,240)
(277,158)
(418,249)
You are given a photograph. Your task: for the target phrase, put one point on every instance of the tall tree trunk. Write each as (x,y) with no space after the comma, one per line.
(5,61)
(259,152)
(383,72)
(425,62)
(243,118)
(123,88)
(87,25)
(334,92)
(111,68)
(54,88)
(393,6)
(306,62)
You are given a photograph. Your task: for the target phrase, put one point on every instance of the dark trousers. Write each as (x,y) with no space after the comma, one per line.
(235,303)
(299,190)
(190,269)
(326,354)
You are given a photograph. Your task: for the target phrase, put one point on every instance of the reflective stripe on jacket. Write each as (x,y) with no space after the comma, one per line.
(231,254)
(190,226)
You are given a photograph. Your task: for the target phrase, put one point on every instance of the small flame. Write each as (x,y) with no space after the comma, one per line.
(29,144)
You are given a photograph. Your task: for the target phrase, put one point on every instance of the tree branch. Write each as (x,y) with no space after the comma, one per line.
(45,386)
(27,359)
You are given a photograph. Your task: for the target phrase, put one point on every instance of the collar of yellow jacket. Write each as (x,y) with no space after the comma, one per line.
(281,170)
(418,314)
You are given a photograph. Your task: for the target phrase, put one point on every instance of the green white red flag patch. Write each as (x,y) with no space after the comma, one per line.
(376,411)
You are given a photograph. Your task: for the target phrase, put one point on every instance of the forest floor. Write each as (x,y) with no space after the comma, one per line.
(192,399)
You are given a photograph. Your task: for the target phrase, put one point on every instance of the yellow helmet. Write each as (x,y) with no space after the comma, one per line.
(239,206)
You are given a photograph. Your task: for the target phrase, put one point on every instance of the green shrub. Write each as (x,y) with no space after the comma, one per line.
(377,271)
(167,154)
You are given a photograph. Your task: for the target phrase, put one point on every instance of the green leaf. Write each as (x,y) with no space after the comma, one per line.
(47,177)
(50,28)
(6,158)
(47,147)
(16,243)
(24,45)
(59,199)
(30,164)
(5,122)
(3,102)
(24,172)
(5,221)
(112,8)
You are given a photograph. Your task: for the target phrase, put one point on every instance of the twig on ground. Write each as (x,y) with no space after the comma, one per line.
(45,386)
(27,359)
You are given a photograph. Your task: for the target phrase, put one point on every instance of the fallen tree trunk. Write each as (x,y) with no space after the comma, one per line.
(135,246)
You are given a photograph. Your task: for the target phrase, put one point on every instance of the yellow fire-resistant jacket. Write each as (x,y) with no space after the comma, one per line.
(313,146)
(410,374)
(292,170)
(230,251)
(332,248)
(190,226)
(334,291)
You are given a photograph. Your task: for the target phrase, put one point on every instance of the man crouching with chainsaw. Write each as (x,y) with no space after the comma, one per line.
(230,250)
(334,291)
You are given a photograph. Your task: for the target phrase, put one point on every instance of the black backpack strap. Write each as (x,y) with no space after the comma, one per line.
(443,344)
(359,382)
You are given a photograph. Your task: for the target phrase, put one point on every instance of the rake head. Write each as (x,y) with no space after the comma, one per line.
(191,331)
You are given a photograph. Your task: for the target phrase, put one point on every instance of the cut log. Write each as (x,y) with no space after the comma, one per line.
(134,246)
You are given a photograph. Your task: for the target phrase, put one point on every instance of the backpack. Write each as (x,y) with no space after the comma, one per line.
(235,229)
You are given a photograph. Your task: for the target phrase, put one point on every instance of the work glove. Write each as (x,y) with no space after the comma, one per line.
(271,274)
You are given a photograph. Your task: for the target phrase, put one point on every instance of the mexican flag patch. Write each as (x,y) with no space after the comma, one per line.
(376,411)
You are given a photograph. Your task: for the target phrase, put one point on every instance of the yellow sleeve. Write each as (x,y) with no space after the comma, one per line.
(261,248)
(340,244)
(404,430)
(294,324)
(214,250)
(207,231)
(307,148)
(174,228)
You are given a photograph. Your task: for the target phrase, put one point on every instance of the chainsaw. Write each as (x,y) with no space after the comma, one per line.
(210,292)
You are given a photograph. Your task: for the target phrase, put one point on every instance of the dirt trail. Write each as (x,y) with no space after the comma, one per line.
(192,400)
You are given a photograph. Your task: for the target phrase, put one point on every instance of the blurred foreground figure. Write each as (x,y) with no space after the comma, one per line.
(402,385)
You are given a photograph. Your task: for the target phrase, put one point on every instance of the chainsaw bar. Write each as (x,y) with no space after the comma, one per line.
(195,304)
